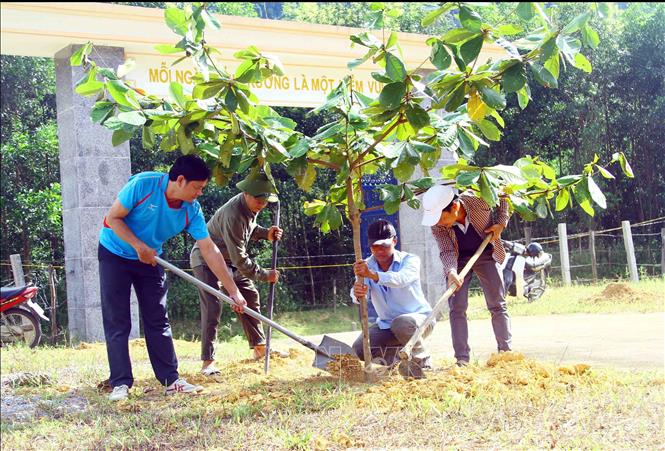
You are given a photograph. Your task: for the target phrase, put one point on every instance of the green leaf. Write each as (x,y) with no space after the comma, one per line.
(577,23)
(457,35)
(120,136)
(148,138)
(508,30)
(392,94)
(525,11)
(132,118)
(314,207)
(467,178)
(395,68)
(77,57)
(456,98)
(514,78)
(552,65)
(568,44)
(490,130)
(470,19)
(590,36)
(582,63)
(466,143)
(543,76)
(89,88)
(417,116)
(175,89)
(208,89)
(488,191)
(596,193)
(562,199)
(101,111)
(306,180)
(541,208)
(625,166)
(231,101)
(176,20)
(523,96)
(583,197)
(604,172)
(492,98)
(118,91)
(431,17)
(392,40)
(440,57)
(126,67)
(604,10)
(470,49)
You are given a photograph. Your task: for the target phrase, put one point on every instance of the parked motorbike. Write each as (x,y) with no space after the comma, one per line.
(525,270)
(19,316)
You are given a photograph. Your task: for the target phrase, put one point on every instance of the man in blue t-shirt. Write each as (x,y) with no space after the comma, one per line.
(151,208)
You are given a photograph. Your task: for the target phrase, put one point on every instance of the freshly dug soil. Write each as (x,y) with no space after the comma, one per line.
(617,291)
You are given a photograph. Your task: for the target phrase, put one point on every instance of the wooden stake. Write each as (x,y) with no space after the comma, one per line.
(563,249)
(630,251)
(592,252)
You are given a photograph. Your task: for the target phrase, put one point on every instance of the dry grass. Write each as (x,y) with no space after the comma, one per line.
(507,402)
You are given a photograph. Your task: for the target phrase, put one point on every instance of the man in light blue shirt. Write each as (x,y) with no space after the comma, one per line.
(393,291)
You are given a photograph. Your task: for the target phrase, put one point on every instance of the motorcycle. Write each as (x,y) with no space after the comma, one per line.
(525,270)
(20,315)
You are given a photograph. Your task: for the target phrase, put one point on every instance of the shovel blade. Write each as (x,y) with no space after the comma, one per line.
(332,347)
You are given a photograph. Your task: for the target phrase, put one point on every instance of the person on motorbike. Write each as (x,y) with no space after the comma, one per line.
(535,265)
(459,224)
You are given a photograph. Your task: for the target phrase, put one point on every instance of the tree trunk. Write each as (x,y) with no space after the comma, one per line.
(354,217)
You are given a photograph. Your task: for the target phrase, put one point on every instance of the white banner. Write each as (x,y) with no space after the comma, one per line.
(295,88)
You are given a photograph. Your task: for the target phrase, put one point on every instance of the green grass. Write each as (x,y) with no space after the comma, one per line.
(580,299)
(556,300)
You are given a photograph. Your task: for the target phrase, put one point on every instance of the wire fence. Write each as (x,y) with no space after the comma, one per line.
(310,282)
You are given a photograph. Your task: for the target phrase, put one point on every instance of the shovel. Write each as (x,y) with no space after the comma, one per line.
(409,368)
(271,296)
(324,352)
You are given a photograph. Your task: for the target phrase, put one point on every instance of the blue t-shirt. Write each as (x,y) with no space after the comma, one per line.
(150,218)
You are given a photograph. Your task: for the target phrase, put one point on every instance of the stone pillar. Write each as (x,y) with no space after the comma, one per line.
(417,239)
(92,172)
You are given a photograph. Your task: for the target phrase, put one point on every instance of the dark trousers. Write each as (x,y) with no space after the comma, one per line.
(385,344)
(211,310)
(116,276)
(491,279)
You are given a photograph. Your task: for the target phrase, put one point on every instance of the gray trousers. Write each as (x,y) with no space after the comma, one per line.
(491,279)
(211,310)
(385,343)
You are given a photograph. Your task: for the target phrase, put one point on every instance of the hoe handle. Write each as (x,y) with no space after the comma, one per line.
(247,311)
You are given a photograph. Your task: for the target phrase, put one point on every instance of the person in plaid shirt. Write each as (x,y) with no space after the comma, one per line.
(459,224)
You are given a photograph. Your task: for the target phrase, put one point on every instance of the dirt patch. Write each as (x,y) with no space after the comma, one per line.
(623,292)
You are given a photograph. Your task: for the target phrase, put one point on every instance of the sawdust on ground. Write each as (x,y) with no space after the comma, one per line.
(618,291)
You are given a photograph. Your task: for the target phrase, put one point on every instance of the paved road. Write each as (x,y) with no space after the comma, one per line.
(626,340)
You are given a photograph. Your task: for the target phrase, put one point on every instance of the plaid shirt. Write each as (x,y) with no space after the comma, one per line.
(480,218)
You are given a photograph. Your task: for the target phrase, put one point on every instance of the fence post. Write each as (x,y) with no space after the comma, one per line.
(51,282)
(527,235)
(630,251)
(334,294)
(592,251)
(17,270)
(662,250)
(563,251)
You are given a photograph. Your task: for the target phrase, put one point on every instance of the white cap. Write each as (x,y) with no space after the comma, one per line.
(434,201)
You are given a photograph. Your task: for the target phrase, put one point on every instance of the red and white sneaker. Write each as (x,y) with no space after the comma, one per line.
(182,386)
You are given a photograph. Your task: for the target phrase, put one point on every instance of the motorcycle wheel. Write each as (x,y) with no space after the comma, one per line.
(19,325)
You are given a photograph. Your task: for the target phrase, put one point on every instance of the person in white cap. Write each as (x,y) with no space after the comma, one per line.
(459,224)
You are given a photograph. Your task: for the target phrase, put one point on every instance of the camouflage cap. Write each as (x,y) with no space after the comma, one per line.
(258,185)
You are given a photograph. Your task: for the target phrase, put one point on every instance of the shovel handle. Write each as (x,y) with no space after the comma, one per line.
(405,352)
(247,311)
(271,296)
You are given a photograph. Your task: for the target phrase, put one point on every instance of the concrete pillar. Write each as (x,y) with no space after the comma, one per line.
(417,239)
(92,172)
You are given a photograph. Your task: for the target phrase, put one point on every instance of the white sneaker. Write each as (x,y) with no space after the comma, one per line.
(119,393)
(182,386)
(210,370)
